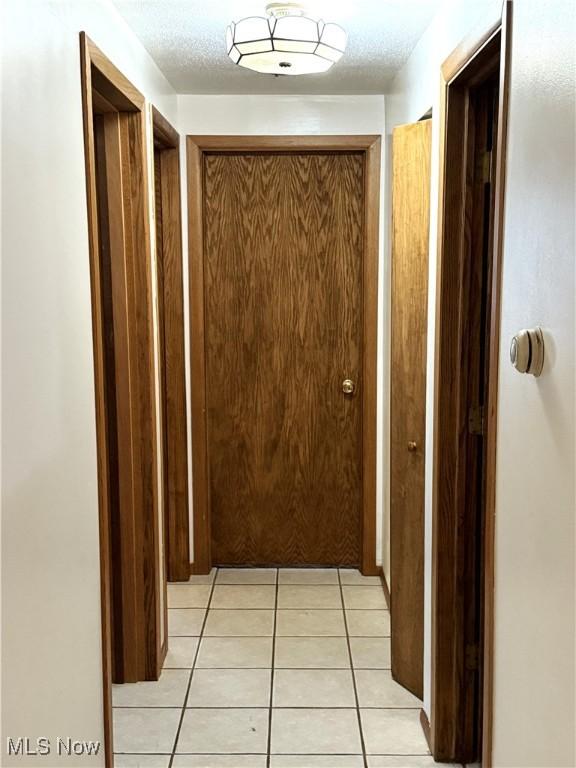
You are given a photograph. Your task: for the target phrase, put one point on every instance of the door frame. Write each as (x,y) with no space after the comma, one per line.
(139,572)
(172,365)
(197,146)
(448,733)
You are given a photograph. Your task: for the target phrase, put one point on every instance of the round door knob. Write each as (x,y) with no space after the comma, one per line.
(348,387)
(412,446)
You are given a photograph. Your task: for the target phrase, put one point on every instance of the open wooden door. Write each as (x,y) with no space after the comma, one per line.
(410,235)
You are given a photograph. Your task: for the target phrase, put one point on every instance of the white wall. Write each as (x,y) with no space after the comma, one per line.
(535,504)
(51,654)
(535,492)
(245,115)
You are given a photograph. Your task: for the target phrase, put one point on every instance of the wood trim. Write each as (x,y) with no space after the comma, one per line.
(109,81)
(492,410)
(99,389)
(196,147)
(200,480)
(164,132)
(369,401)
(384,586)
(468,48)
(425,725)
(173,381)
(312,143)
(117,94)
(464,68)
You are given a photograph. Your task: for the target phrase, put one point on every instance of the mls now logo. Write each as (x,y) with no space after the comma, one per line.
(23,745)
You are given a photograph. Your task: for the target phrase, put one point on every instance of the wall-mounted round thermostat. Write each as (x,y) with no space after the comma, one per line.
(527,351)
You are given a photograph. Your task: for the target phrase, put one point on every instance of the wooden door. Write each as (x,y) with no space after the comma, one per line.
(410,225)
(283,256)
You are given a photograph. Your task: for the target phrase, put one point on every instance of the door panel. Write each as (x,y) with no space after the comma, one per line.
(410,225)
(283,239)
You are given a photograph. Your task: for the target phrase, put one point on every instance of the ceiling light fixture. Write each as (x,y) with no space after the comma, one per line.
(288,42)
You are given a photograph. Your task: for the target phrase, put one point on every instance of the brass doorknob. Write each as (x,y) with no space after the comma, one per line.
(348,387)
(412,446)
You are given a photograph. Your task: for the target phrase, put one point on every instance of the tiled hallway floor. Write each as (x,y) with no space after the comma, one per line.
(282,668)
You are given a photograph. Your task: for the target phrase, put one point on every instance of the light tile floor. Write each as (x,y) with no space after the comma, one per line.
(271,668)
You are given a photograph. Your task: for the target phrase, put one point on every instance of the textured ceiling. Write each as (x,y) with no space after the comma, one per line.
(186,39)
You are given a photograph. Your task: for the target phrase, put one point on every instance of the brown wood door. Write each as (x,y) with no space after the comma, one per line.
(283,244)
(410,225)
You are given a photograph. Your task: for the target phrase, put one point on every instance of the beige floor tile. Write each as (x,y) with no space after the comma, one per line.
(255,623)
(219,761)
(376,688)
(181,652)
(316,761)
(313,688)
(246,576)
(353,576)
(315,731)
(364,597)
(368,623)
(207,578)
(308,576)
(185,621)
(309,596)
(228,731)
(393,732)
(311,652)
(243,596)
(188,595)
(146,730)
(141,761)
(310,623)
(230,688)
(168,691)
(370,652)
(407,761)
(235,652)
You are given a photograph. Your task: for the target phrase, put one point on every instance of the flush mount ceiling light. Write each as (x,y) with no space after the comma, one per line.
(288,42)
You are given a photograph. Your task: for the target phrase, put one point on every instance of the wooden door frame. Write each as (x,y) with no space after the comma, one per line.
(99,75)
(173,393)
(197,146)
(462,69)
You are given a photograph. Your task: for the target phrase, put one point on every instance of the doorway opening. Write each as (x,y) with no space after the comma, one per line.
(170,313)
(473,131)
(284,255)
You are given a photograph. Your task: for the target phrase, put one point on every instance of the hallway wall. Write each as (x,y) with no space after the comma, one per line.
(535,502)
(51,636)
(270,115)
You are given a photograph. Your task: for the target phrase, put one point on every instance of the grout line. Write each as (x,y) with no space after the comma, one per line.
(258,706)
(269,743)
(292,637)
(353,675)
(271,608)
(192,671)
(299,668)
(290,754)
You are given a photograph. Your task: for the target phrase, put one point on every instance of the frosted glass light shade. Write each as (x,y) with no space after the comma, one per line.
(290,45)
